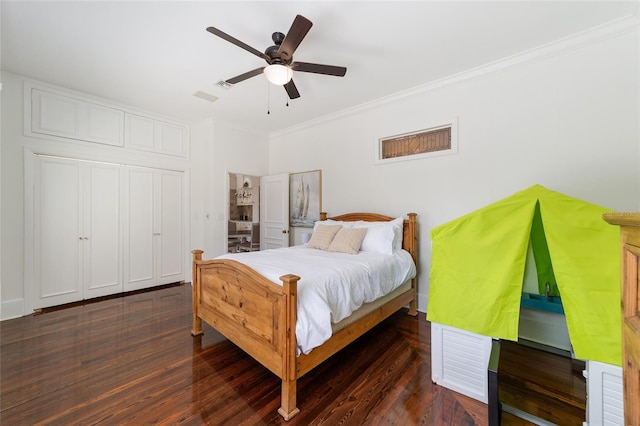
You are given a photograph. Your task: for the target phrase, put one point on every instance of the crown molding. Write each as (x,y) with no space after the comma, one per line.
(590,36)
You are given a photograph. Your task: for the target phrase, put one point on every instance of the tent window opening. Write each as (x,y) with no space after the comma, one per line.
(439,140)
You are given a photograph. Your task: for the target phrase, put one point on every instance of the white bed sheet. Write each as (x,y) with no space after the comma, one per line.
(332,285)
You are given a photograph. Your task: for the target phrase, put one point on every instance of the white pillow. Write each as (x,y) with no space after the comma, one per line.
(378,239)
(322,236)
(381,237)
(398,227)
(366,224)
(331,222)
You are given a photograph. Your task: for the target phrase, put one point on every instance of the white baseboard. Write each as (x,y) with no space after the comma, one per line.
(11,309)
(423,300)
(15,308)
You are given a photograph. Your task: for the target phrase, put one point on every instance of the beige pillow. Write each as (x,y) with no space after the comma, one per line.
(322,236)
(348,240)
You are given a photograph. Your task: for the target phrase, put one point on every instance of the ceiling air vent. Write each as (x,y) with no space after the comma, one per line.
(206,96)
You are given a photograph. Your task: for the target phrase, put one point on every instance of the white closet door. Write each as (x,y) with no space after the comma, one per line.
(139,253)
(171,138)
(139,132)
(169,227)
(58,232)
(77,231)
(56,115)
(102,252)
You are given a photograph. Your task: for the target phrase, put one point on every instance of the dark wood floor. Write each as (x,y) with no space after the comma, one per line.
(132,360)
(548,386)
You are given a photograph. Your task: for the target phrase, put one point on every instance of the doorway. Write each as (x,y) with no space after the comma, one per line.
(244,213)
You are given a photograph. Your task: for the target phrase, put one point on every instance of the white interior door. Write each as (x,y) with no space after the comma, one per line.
(153,252)
(77,231)
(169,227)
(274,211)
(58,235)
(102,268)
(139,252)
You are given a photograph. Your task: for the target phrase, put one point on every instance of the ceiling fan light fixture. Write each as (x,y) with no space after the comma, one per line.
(278,74)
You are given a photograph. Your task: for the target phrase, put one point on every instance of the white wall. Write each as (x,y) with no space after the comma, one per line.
(11,191)
(217,149)
(566,119)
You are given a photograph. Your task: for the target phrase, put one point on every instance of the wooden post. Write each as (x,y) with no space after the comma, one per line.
(413,245)
(630,310)
(196,329)
(288,407)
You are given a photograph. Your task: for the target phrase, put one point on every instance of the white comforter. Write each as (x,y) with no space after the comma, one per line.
(332,285)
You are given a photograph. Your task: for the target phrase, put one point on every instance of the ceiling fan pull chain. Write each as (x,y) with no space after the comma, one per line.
(268,99)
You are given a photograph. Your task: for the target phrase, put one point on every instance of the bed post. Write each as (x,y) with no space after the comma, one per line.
(195,294)
(413,249)
(288,407)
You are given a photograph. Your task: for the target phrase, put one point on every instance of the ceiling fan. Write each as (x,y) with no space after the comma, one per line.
(280,57)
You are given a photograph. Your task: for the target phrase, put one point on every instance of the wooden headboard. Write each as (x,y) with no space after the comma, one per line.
(409,229)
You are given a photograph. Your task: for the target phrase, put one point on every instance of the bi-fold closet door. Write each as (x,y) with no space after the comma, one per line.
(152,227)
(102,229)
(77,230)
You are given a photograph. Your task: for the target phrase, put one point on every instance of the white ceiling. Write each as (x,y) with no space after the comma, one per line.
(154,55)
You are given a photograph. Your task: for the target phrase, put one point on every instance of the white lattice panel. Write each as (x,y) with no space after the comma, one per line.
(459,360)
(604,394)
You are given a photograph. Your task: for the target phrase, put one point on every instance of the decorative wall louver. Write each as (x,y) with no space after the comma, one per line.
(440,138)
(416,143)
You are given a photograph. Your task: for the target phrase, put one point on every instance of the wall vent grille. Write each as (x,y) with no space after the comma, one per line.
(417,143)
(431,141)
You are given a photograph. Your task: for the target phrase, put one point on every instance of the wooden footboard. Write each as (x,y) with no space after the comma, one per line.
(254,313)
(250,310)
(259,316)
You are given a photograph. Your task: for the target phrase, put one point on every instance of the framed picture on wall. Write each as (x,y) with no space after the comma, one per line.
(305,198)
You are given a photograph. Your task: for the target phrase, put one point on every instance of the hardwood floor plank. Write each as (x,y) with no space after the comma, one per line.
(546,385)
(132,360)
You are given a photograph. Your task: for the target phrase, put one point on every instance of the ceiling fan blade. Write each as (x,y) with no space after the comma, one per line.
(292,90)
(292,40)
(319,69)
(238,43)
(245,76)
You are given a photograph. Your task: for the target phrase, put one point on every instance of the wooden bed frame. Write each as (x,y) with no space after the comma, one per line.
(259,316)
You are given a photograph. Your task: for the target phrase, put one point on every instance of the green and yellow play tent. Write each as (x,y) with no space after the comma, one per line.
(478,263)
